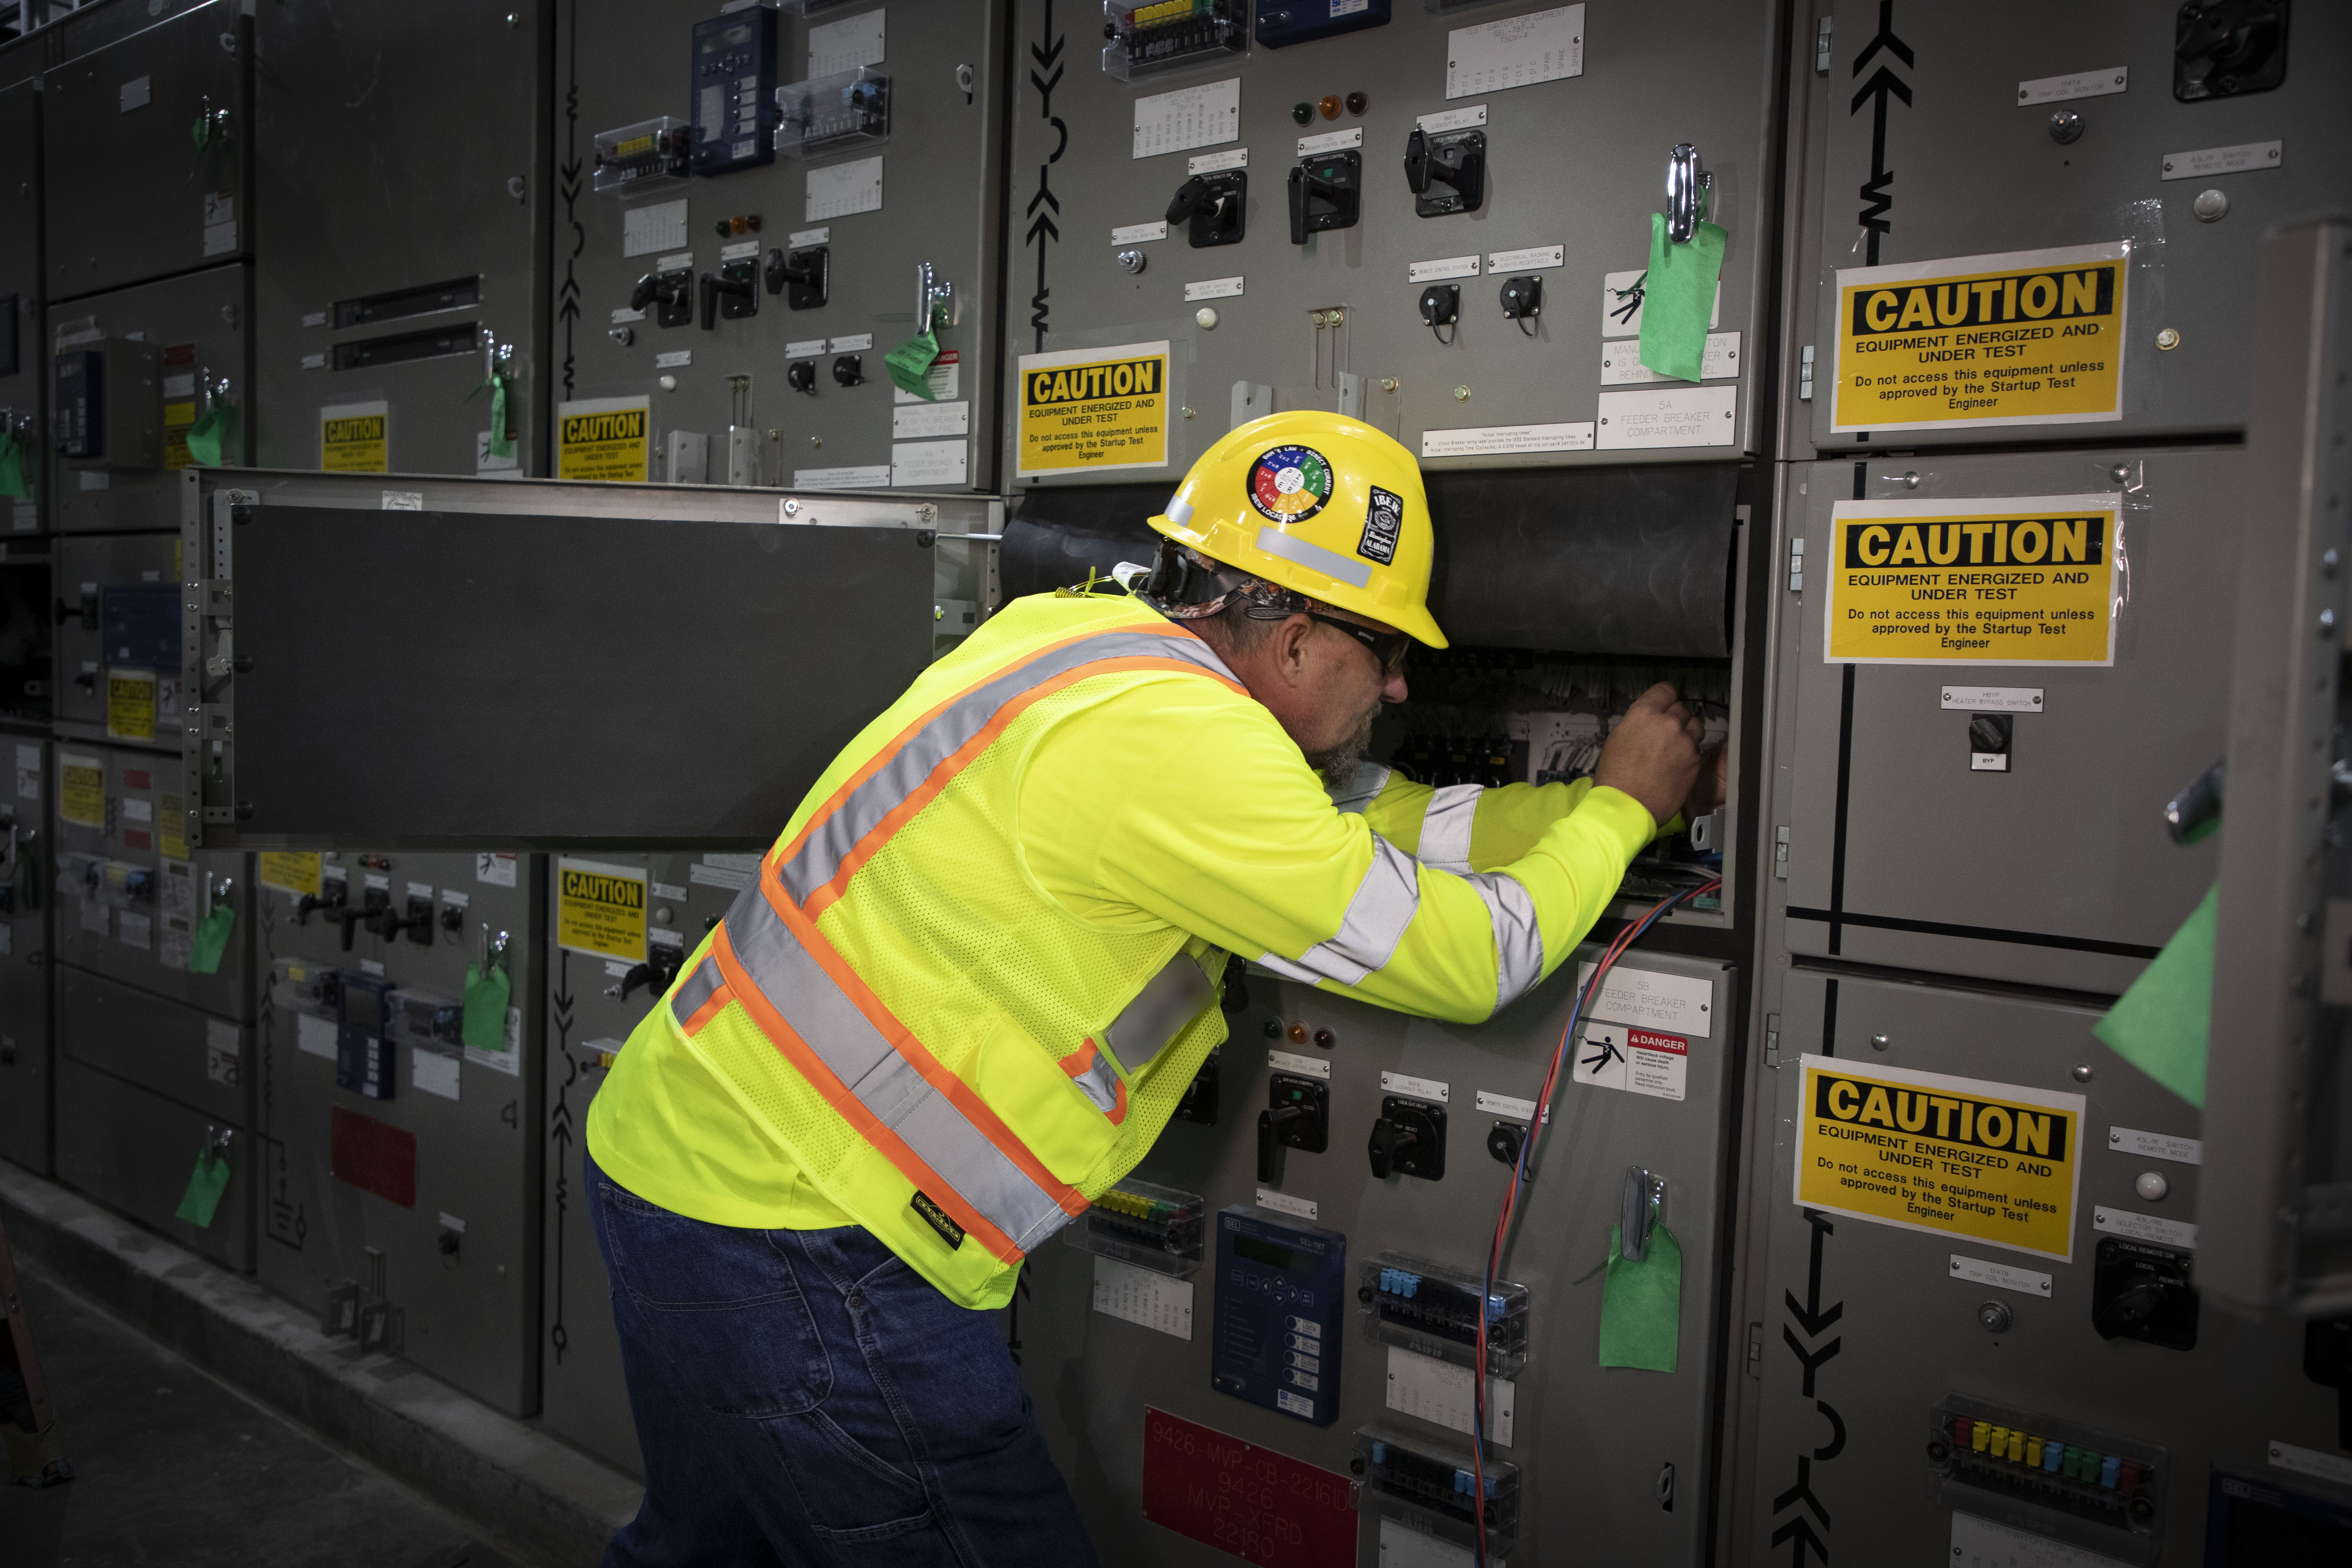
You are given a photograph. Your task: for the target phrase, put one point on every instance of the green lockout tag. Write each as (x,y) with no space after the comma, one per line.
(501,438)
(1642,1303)
(485,1027)
(206,1185)
(911,365)
(210,939)
(2164,1023)
(13,482)
(1678,299)
(211,433)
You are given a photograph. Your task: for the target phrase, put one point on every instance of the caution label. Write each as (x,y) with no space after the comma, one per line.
(130,704)
(354,439)
(2018,579)
(82,790)
(1992,1163)
(601,909)
(607,438)
(289,872)
(1094,410)
(2034,337)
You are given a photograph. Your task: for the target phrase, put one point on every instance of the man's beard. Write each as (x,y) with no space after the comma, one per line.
(1338,764)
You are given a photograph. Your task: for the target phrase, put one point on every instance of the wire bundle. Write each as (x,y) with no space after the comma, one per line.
(1509,1210)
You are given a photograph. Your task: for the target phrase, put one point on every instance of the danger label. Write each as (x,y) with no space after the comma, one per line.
(2033,337)
(601,909)
(603,438)
(2024,580)
(1094,409)
(1994,1162)
(354,439)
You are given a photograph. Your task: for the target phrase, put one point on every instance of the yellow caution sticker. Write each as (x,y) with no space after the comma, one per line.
(601,909)
(605,439)
(177,417)
(1988,1163)
(354,439)
(1095,410)
(172,826)
(289,872)
(2033,337)
(82,790)
(130,704)
(2016,580)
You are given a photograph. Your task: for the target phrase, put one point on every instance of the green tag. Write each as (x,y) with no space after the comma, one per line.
(485,1028)
(13,482)
(1642,1303)
(205,1183)
(911,365)
(501,438)
(1678,299)
(210,939)
(2164,1023)
(211,433)
(201,132)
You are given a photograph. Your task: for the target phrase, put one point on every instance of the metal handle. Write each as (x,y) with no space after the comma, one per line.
(1688,188)
(935,300)
(1645,1195)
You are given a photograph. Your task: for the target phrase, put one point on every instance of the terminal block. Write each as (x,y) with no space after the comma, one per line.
(2051,1478)
(300,986)
(1428,1484)
(833,114)
(642,157)
(425,1018)
(1153,1227)
(1432,1309)
(1161,34)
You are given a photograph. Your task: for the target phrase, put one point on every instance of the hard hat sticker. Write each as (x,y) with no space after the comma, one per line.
(1289,484)
(1383,522)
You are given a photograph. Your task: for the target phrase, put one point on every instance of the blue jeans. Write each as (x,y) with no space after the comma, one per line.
(804,1397)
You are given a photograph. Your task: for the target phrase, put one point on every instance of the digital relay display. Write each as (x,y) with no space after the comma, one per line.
(1281,1287)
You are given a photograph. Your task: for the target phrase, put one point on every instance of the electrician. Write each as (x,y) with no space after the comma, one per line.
(982,964)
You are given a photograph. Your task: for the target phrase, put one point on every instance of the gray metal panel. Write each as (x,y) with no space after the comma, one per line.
(2064,863)
(619,62)
(520,699)
(1579,162)
(90,933)
(25,1050)
(204,311)
(1976,172)
(1906,1334)
(584,1400)
(362,186)
(134,1150)
(1590,1440)
(471,1317)
(157,183)
(24,388)
(159,1046)
(95,563)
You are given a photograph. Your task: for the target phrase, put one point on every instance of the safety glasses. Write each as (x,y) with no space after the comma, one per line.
(1389,647)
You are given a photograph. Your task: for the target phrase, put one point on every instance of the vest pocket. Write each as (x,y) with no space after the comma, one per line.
(1042,1102)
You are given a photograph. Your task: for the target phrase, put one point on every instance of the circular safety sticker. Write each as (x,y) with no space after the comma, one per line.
(1291,484)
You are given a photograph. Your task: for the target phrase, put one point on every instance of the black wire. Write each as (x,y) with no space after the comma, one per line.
(1447,341)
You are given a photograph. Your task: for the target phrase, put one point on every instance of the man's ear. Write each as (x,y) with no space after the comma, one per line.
(1288,646)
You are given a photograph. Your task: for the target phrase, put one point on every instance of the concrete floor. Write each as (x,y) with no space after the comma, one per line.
(174,1467)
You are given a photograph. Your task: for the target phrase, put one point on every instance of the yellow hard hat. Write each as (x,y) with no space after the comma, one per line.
(1321,504)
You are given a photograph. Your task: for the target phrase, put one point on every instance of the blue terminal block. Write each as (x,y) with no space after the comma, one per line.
(733,93)
(1281,1288)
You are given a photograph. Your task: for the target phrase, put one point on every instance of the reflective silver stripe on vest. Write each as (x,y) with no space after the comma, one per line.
(1445,826)
(686,998)
(1519,940)
(1369,779)
(1100,1081)
(1377,916)
(884,1082)
(820,858)
(1169,1000)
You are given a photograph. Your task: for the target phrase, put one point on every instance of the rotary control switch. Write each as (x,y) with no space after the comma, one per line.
(1297,1116)
(671,293)
(1326,192)
(1447,171)
(656,972)
(1408,1139)
(417,922)
(732,291)
(801,376)
(1213,207)
(807,273)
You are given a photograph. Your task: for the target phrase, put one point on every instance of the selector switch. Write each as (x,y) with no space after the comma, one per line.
(1447,172)
(1297,1116)
(2143,1292)
(733,289)
(801,376)
(670,293)
(1214,205)
(1200,1101)
(1408,1140)
(1326,193)
(806,273)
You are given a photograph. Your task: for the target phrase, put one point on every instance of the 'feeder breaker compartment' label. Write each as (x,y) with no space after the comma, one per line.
(2034,337)
(2014,580)
(1093,410)
(601,909)
(1993,1163)
(601,438)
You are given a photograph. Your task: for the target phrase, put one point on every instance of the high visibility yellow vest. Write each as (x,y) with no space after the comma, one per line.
(948,1055)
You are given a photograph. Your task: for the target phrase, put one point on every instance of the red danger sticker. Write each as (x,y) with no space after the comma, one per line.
(1250,1501)
(1650,1040)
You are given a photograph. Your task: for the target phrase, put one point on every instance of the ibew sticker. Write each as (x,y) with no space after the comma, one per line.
(1384,522)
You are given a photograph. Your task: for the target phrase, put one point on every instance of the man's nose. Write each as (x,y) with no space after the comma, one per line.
(1393,690)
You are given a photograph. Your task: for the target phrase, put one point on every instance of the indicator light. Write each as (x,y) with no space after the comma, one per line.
(1274,1028)
(1302,112)
(1326,1038)
(1356,102)
(1329,105)
(1297,1034)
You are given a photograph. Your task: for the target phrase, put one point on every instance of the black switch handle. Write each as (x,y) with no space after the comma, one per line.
(1270,1124)
(1389,1139)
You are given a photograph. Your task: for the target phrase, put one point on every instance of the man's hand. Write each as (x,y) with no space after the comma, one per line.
(1713,782)
(1653,753)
